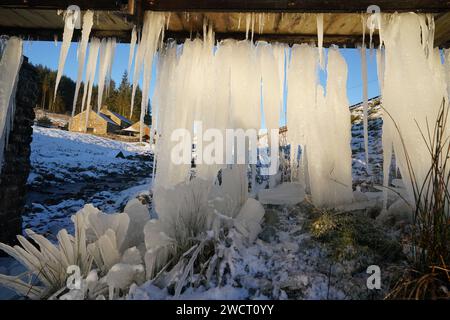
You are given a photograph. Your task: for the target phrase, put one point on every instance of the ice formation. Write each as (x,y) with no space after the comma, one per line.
(107,47)
(90,76)
(302,87)
(320,38)
(310,113)
(154,23)
(67,39)
(10,62)
(88,20)
(365,103)
(132,47)
(410,105)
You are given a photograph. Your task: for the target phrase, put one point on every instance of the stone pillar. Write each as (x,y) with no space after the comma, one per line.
(16,164)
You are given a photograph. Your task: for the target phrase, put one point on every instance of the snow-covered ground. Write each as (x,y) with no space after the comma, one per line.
(71,169)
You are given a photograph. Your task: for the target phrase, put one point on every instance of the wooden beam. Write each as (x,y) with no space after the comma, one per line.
(104,5)
(431,6)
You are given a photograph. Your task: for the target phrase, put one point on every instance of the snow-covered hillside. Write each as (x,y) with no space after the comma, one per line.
(375,124)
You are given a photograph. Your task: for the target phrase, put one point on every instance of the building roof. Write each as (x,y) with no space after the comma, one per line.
(121,117)
(105,117)
(136,127)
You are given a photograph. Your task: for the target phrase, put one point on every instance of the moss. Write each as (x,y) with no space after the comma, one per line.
(352,235)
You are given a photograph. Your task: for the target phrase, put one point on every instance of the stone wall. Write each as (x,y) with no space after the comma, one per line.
(16,165)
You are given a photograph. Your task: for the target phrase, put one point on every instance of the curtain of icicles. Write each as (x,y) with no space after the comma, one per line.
(228,84)
(236,84)
(10,62)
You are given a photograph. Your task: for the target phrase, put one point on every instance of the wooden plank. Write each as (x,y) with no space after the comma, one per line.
(241,5)
(442,34)
(106,5)
(297,5)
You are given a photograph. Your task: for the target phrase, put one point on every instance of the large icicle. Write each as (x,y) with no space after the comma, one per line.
(154,23)
(320,38)
(106,55)
(67,39)
(413,92)
(365,104)
(302,86)
(132,47)
(88,20)
(10,62)
(90,76)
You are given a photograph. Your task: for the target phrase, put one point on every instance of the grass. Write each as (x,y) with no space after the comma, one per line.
(428,276)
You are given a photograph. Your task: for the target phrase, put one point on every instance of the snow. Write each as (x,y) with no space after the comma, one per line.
(65,164)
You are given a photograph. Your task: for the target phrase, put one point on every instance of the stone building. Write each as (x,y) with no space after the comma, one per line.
(16,166)
(98,123)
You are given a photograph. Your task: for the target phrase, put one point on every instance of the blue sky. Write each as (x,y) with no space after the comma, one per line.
(46,53)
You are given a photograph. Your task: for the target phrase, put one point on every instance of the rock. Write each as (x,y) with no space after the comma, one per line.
(271,218)
(120,155)
(268,234)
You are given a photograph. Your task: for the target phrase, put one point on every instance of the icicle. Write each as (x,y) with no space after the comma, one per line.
(253,25)
(153,25)
(88,21)
(301,99)
(363,56)
(247,25)
(320,38)
(414,104)
(110,65)
(106,53)
(260,23)
(67,39)
(239,20)
(380,68)
(55,39)
(132,47)
(91,67)
(10,62)
(447,70)
(169,15)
